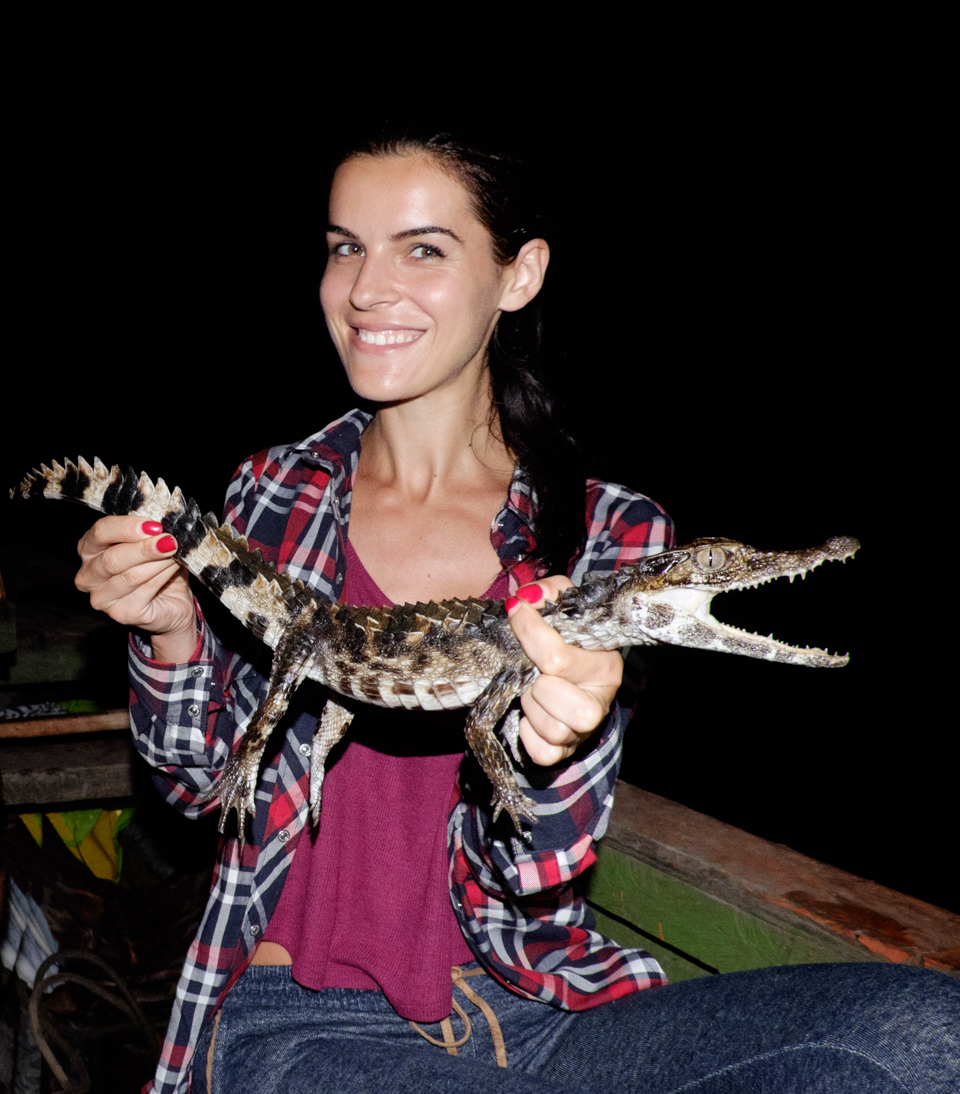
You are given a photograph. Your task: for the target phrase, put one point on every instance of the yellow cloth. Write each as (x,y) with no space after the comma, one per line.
(91,835)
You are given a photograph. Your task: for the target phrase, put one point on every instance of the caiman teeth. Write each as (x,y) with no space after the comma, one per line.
(767,638)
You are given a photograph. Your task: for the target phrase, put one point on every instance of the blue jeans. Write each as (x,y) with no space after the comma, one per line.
(841,1029)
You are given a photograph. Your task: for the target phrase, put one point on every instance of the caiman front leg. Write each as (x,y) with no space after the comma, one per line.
(333,723)
(489,708)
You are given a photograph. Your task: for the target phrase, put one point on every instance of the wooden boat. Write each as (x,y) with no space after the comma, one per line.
(702,896)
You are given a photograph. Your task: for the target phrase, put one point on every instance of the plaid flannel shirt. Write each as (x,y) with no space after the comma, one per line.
(515,902)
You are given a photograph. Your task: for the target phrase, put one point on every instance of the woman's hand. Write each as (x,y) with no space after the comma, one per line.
(130,574)
(575,688)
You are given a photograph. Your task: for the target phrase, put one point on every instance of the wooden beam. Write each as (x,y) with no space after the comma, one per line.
(53,772)
(66,724)
(779,886)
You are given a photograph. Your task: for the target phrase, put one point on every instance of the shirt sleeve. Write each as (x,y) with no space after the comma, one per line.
(521,912)
(186,717)
(622,527)
(574,811)
(572,814)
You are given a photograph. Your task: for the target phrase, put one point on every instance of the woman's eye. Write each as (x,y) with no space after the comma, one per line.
(347,250)
(424,250)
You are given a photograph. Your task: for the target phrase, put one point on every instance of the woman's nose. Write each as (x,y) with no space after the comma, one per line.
(375,284)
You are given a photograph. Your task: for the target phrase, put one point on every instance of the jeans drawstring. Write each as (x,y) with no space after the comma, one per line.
(449,1042)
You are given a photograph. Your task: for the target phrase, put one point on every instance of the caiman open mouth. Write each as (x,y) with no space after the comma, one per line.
(697,602)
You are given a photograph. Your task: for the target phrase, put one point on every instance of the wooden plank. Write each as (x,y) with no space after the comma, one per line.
(58,772)
(778,887)
(66,724)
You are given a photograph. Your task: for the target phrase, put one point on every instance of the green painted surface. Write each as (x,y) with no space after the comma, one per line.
(45,666)
(673,964)
(717,934)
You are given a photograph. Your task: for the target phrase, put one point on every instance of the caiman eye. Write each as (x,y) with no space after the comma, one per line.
(711,558)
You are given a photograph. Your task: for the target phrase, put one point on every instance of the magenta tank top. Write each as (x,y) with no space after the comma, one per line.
(366,903)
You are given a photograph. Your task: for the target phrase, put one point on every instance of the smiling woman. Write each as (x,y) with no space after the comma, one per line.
(412,321)
(328,960)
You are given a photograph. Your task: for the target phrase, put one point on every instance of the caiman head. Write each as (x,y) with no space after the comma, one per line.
(666,598)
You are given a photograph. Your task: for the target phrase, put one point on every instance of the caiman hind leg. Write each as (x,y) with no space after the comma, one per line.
(333,723)
(238,783)
(489,708)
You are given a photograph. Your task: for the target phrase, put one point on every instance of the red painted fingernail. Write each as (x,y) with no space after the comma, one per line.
(530,593)
(151,528)
(511,604)
(166,545)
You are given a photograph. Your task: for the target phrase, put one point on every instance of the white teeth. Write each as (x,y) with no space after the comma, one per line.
(387,337)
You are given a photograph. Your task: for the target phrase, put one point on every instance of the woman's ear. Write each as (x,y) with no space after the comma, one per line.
(524,276)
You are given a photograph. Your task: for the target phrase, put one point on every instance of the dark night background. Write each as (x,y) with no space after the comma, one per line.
(730,269)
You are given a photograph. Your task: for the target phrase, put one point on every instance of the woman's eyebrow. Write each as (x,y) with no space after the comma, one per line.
(432,229)
(409,233)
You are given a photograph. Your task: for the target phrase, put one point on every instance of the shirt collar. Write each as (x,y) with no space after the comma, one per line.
(336,445)
(512,531)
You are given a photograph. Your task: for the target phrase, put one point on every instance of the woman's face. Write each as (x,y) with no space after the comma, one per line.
(411,291)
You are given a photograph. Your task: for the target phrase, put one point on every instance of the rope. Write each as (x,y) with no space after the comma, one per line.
(448,1042)
(45,1031)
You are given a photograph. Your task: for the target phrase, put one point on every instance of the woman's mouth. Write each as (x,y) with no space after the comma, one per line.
(387,337)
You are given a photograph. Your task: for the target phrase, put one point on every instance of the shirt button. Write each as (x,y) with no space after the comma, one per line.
(193,710)
(283,835)
(197,672)
(304,750)
(254,928)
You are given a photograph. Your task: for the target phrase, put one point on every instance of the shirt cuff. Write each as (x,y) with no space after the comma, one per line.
(170,702)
